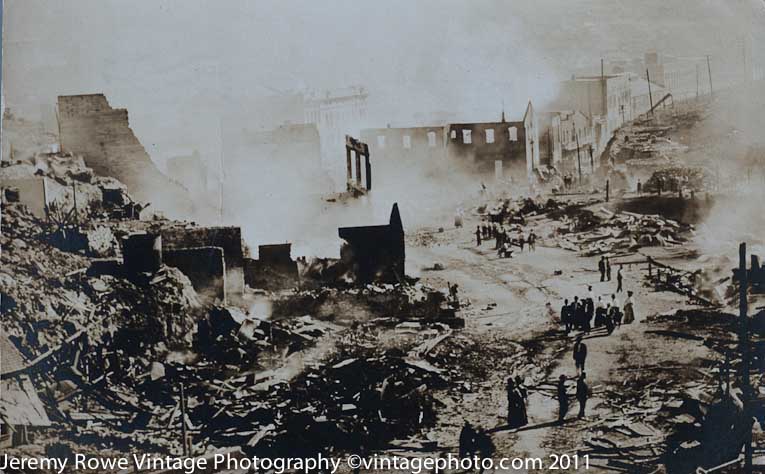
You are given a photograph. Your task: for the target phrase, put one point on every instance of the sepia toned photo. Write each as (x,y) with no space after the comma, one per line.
(423,236)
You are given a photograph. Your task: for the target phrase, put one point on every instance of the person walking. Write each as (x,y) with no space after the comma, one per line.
(562,399)
(619,278)
(582,393)
(580,354)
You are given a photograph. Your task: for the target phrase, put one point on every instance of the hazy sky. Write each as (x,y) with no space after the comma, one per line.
(177,65)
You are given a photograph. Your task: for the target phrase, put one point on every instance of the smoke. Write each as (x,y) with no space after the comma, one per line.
(729,143)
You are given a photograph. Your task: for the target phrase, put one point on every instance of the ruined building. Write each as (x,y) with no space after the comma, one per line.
(90,127)
(377,252)
(502,147)
(393,146)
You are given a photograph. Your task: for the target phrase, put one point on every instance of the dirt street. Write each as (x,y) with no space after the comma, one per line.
(507,298)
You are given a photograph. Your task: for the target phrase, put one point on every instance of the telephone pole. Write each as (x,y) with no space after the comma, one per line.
(650,96)
(709,72)
(746,390)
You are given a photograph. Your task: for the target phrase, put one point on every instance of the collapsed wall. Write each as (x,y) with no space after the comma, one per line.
(90,127)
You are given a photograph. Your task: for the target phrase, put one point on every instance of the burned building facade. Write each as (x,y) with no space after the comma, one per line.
(504,148)
(90,127)
(391,144)
(376,252)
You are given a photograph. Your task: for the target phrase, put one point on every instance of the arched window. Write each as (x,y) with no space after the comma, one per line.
(431,139)
(467,136)
(513,132)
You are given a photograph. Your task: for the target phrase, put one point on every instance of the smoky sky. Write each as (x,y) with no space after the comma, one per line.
(178,66)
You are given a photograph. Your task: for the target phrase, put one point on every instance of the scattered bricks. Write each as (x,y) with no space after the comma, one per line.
(204,266)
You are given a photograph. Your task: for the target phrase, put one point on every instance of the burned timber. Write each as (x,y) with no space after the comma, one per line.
(579,276)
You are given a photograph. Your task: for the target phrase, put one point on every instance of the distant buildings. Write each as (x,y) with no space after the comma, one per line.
(336,114)
(487,147)
(605,100)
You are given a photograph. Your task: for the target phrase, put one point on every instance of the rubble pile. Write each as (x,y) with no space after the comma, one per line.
(682,414)
(39,319)
(609,232)
(681,178)
(699,286)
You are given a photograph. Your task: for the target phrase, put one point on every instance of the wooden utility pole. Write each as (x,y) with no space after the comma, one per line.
(697,81)
(608,185)
(650,96)
(709,71)
(578,156)
(74,198)
(184,434)
(746,390)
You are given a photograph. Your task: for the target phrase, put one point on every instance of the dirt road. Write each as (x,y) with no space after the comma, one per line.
(507,298)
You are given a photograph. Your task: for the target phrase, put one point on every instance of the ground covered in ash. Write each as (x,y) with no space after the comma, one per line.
(126,361)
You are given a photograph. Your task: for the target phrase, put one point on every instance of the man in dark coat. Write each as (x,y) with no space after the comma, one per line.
(565,316)
(580,354)
(562,399)
(467,440)
(602,268)
(582,393)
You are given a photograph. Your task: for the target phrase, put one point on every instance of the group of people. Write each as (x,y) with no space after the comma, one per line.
(582,394)
(503,240)
(586,313)
(604,267)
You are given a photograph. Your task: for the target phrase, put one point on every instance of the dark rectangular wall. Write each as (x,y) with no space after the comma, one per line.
(227,238)
(483,154)
(204,266)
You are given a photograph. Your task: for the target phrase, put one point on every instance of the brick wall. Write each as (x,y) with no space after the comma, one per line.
(90,127)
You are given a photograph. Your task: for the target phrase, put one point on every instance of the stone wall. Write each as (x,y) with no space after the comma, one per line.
(90,127)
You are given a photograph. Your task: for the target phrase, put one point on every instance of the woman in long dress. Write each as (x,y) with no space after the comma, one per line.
(629,309)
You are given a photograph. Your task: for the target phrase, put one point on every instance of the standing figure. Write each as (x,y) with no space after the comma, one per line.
(600,313)
(565,316)
(576,312)
(629,309)
(616,312)
(562,399)
(467,440)
(580,354)
(602,268)
(619,278)
(582,393)
(609,321)
(608,269)
(478,235)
